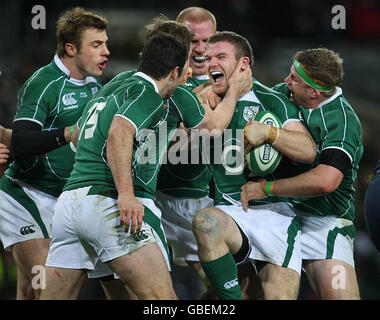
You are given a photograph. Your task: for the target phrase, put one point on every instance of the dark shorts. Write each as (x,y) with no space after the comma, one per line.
(372,209)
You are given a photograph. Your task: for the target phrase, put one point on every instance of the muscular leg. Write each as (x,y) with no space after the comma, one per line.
(28,254)
(249,281)
(63,284)
(145,272)
(114,289)
(332,279)
(279,283)
(217,237)
(24,287)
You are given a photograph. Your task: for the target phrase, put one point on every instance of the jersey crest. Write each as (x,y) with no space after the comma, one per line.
(250,112)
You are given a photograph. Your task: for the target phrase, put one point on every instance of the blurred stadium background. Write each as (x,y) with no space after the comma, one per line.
(275,29)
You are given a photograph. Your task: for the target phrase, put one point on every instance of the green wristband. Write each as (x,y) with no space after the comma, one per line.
(267,188)
(71,129)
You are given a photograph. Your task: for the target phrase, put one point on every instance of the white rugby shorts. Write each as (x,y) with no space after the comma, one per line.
(25,212)
(86,229)
(273,231)
(326,237)
(177,217)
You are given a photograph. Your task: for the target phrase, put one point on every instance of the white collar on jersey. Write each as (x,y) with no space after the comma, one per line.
(64,69)
(336,94)
(250,96)
(147,78)
(201,77)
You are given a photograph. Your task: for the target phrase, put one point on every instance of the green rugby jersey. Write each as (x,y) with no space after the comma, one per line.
(186,180)
(184,107)
(53,100)
(121,76)
(228,182)
(135,99)
(334,125)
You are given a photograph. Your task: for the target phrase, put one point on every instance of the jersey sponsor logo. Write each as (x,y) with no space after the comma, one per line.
(27,230)
(250,112)
(231,284)
(68,99)
(94,90)
(140,235)
(300,116)
(83,94)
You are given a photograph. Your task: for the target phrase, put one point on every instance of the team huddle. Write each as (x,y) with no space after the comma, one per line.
(93,190)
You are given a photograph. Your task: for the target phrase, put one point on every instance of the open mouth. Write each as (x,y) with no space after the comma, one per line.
(292,98)
(199,59)
(102,65)
(217,76)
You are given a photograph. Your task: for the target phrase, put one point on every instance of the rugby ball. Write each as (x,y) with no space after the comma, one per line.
(264,159)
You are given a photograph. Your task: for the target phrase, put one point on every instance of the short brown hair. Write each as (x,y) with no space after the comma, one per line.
(197,15)
(162,24)
(323,65)
(241,44)
(71,25)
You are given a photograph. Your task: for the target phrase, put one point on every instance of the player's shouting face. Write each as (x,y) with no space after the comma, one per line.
(91,57)
(221,58)
(202,32)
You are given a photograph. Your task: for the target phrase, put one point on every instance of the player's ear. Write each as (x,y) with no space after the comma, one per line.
(70,49)
(245,64)
(175,74)
(315,93)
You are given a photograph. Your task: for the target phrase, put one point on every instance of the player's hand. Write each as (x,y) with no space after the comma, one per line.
(241,78)
(208,97)
(252,191)
(202,86)
(4,153)
(256,133)
(131,212)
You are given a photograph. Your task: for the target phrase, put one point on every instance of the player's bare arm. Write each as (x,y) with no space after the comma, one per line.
(294,141)
(119,156)
(318,181)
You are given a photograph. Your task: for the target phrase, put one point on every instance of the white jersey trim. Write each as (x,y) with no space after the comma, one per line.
(33,120)
(201,77)
(250,96)
(341,149)
(147,78)
(336,94)
(129,120)
(66,71)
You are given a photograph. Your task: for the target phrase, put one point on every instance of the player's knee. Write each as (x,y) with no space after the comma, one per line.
(206,223)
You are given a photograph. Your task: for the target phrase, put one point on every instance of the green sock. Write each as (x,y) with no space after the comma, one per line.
(223,275)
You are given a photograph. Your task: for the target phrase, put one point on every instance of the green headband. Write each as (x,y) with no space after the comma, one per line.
(305,77)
